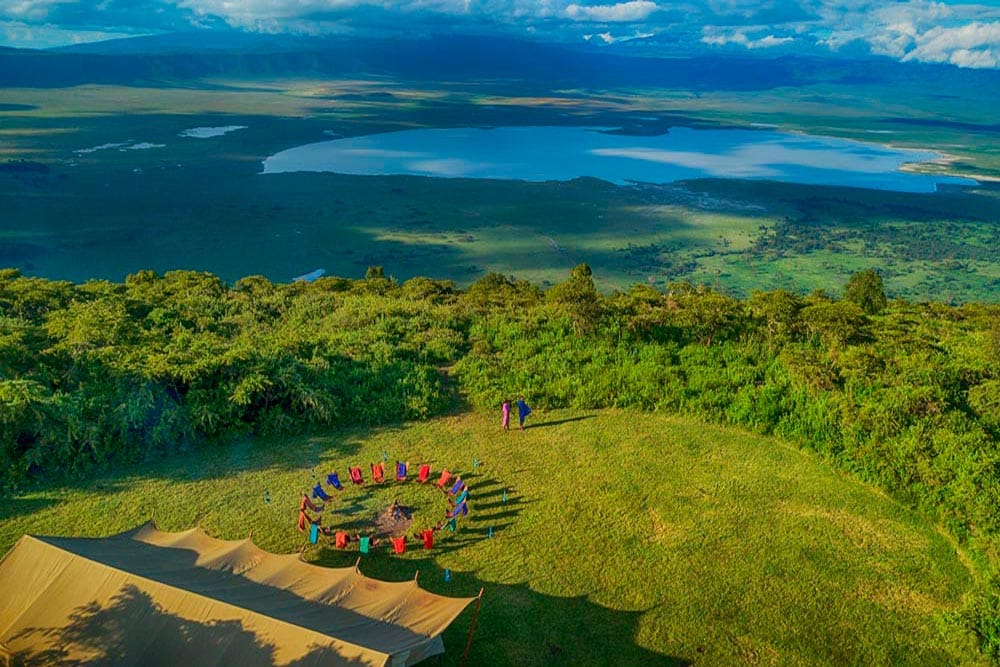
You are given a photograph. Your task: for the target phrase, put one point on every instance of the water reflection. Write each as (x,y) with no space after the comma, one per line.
(564,153)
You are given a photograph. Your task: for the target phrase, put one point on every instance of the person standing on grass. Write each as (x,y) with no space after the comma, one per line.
(505,415)
(522,411)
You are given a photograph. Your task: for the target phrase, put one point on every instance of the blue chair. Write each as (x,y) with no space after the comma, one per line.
(318,492)
(333,480)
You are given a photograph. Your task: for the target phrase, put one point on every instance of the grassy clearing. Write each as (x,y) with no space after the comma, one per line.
(625,539)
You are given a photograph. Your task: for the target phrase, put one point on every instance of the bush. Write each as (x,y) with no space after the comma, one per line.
(906,397)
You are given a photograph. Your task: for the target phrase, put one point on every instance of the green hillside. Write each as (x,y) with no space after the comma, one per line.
(625,538)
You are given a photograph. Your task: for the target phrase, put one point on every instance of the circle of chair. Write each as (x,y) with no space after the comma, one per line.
(455,491)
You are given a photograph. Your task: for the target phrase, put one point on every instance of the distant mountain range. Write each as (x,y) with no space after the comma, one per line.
(183,57)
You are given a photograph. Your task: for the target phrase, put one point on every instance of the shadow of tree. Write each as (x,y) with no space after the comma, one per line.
(104,635)
(14,507)
(239,454)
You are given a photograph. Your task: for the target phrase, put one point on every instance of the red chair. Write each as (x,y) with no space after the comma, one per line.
(425,472)
(356,476)
(428,537)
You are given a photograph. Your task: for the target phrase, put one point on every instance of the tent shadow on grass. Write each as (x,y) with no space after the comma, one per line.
(100,635)
(516,625)
(519,625)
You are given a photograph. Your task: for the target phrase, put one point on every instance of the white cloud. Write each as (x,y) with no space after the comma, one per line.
(608,38)
(252,11)
(918,30)
(769,41)
(973,45)
(28,10)
(628,12)
(739,37)
(950,31)
(988,58)
(44,35)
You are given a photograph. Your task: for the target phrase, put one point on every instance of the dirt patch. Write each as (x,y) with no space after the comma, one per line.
(393,520)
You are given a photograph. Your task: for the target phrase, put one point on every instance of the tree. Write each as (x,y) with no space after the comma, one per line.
(580,299)
(644,312)
(495,291)
(837,324)
(708,316)
(993,340)
(425,289)
(866,289)
(376,282)
(779,312)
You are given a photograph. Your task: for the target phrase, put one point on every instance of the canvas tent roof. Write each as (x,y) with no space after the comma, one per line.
(148,597)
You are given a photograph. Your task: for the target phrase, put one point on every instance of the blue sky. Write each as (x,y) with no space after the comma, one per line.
(961,33)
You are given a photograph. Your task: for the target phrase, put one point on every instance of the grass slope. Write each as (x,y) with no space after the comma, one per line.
(625,539)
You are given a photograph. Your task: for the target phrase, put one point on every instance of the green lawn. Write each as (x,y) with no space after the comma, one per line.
(625,539)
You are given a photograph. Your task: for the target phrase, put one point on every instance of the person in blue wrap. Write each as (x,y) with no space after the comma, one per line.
(522,411)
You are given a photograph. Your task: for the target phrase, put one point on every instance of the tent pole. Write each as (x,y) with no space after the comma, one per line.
(472,627)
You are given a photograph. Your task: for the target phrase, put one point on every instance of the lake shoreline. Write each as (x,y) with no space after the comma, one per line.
(563,153)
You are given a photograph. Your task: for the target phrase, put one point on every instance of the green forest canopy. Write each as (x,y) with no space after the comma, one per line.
(903,395)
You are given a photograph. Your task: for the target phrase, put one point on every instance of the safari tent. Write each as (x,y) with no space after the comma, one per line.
(148,597)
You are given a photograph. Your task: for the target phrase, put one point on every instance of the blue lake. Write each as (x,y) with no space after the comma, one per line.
(565,153)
